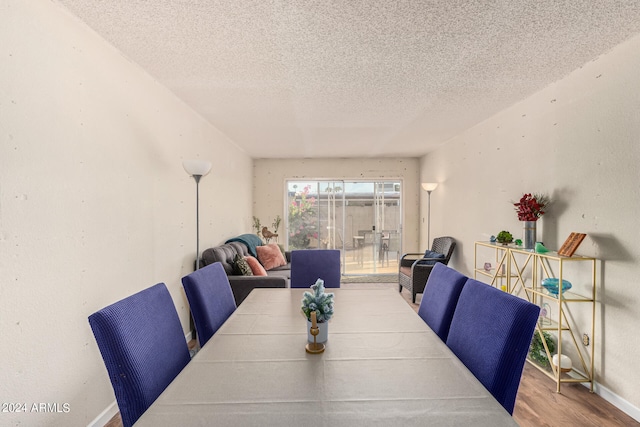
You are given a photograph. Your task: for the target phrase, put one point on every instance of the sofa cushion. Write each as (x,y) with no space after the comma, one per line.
(241,266)
(223,254)
(240,248)
(270,256)
(256,267)
(286,267)
(285,274)
(251,241)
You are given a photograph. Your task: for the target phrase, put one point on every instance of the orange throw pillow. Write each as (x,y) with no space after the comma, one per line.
(270,256)
(256,268)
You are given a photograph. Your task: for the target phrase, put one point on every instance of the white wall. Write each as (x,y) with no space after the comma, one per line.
(579,141)
(94,202)
(269,176)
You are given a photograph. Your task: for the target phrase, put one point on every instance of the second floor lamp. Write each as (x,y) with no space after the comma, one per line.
(429,187)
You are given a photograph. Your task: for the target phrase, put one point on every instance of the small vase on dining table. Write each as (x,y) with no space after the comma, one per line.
(323,334)
(529,237)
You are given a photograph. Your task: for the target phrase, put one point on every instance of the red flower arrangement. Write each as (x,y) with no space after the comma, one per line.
(531,207)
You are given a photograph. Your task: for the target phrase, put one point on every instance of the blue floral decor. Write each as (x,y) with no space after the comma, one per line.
(320,302)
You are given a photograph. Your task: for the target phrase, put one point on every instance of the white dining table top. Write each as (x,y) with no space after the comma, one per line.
(382,366)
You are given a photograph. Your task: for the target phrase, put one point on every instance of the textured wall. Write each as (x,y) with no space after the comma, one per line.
(269,176)
(579,141)
(94,202)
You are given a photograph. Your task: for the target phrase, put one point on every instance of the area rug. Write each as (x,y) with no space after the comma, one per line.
(371,278)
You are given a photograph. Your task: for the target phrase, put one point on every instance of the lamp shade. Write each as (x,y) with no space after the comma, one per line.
(196,167)
(429,186)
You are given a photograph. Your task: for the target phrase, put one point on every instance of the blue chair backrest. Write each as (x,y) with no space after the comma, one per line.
(143,347)
(440,298)
(210,298)
(309,265)
(490,333)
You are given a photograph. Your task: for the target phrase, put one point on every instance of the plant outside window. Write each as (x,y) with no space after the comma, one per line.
(302,219)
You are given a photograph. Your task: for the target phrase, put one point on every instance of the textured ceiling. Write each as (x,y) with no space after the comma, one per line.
(303,78)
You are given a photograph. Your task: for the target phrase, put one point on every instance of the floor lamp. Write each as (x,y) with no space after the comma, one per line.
(429,187)
(197,169)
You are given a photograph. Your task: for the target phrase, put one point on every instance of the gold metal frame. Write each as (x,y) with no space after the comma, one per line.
(314,347)
(518,262)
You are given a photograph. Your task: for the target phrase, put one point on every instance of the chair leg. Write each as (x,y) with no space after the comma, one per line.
(399,288)
(413,295)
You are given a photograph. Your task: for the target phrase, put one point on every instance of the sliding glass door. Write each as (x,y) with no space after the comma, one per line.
(361,218)
(373,224)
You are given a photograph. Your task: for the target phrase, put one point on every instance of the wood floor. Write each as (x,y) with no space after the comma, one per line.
(538,404)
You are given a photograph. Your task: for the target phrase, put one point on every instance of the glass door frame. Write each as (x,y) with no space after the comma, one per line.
(379,234)
(304,214)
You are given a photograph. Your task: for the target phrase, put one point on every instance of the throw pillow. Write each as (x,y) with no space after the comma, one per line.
(241,266)
(256,268)
(431,254)
(270,256)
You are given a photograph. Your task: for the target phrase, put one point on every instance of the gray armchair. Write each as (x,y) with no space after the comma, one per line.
(414,268)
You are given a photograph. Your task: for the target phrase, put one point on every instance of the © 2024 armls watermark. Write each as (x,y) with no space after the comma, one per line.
(36,407)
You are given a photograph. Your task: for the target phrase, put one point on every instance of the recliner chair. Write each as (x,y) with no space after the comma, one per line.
(415,268)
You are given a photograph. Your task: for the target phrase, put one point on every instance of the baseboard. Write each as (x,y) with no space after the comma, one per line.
(105,416)
(617,401)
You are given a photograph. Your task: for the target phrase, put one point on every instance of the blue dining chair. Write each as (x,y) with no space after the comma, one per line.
(440,298)
(210,298)
(143,347)
(490,333)
(309,265)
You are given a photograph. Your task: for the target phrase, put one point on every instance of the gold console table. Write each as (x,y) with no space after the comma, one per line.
(520,272)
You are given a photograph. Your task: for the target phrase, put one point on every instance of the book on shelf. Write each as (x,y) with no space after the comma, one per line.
(570,245)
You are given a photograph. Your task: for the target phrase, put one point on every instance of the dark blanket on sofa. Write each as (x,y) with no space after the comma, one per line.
(250,241)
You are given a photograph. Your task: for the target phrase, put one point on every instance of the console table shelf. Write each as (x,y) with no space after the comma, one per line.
(520,272)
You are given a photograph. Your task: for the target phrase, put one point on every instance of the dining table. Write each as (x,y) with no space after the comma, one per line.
(382,366)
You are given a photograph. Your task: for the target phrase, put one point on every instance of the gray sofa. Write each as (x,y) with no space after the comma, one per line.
(243,285)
